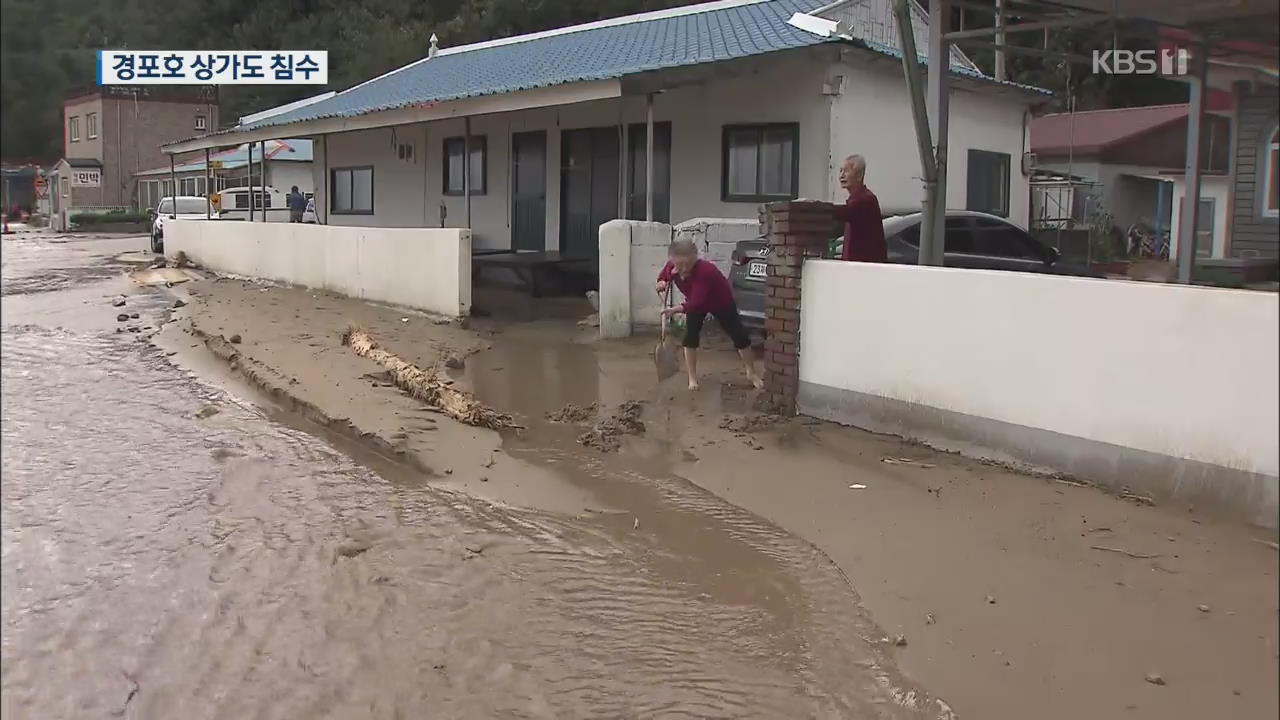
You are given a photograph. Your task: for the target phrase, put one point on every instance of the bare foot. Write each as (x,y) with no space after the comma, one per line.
(693,385)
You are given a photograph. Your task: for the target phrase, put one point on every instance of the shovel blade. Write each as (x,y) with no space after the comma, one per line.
(664,359)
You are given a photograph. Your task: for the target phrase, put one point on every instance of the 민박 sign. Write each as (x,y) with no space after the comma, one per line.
(87,177)
(217,67)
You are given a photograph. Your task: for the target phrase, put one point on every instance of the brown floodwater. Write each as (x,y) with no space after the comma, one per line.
(171,549)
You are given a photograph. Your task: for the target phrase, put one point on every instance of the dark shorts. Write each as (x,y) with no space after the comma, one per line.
(729,321)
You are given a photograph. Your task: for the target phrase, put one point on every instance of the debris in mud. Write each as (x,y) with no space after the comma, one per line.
(122,317)
(606,434)
(454,361)
(991,599)
(749,423)
(181,260)
(179,304)
(1203,608)
(906,461)
(1155,678)
(1127,494)
(235,339)
(118,301)
(574,414)
(352,549)
(133,315)
(207,411)
(929,619)
(1122,551)
(857,486)
(159,263)
(1268,543)
(427,385)
(900,640)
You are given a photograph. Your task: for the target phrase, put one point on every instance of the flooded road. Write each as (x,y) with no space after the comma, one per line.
(171,549)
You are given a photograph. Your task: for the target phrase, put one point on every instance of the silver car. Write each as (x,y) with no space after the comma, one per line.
(973,240)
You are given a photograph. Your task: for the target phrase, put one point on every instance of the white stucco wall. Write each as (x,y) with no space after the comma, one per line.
(872,117)
(1218,188)
(1196,379)
(632,253)
(427,269)
(284,175)
(410,193)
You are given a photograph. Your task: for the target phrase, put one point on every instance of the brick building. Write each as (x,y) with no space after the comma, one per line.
(110,133)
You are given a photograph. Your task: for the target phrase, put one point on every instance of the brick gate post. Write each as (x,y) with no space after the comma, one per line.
(796,230)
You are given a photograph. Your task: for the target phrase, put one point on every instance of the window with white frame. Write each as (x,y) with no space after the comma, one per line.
(73,128)
(201,123)
(91,125)
(1271,175)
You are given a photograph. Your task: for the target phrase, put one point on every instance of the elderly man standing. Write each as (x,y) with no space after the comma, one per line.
(863,226)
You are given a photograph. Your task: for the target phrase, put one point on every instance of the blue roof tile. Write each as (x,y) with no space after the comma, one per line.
(590,54)
(709,35)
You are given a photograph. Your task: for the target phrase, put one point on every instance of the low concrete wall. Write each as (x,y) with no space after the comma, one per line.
(1168,390)
(424,268)
(631,255)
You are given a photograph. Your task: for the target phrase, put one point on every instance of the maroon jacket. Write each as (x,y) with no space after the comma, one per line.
(863,227)
(705,290)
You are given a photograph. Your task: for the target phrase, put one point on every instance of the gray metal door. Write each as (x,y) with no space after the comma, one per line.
(588,188)
(529,190)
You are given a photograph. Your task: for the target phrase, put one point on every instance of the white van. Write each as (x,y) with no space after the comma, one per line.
(234,204)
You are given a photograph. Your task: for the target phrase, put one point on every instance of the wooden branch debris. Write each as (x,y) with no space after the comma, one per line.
(1122,551)
(427,385)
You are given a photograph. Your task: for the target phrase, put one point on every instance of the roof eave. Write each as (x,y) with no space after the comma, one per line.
(563,94)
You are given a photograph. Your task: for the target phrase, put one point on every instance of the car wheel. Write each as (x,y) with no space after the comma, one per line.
(156,246)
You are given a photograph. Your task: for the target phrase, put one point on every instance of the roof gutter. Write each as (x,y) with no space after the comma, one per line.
(566,94)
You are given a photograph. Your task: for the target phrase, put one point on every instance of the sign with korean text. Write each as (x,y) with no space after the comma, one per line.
(216,67)
(86,177)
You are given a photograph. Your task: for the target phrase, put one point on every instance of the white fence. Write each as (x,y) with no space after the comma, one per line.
(424,268)
(1170,390)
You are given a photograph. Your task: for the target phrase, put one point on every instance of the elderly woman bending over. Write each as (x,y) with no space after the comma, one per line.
(706,292)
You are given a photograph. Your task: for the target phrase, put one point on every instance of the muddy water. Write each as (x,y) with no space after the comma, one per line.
(169,550)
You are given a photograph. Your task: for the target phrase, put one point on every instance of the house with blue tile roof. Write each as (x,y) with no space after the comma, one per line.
(534,141)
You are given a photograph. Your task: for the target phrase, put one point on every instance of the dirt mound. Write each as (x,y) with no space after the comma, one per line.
(606,434)
(574,414)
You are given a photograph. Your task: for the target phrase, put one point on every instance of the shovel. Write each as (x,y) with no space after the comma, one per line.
(664,355)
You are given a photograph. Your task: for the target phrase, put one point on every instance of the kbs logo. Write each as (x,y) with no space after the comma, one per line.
(1141,62)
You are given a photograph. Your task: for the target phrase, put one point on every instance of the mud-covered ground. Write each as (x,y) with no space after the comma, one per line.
(207,528)
(1008,590)
(274,531)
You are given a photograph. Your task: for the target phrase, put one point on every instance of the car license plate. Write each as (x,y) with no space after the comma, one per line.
(756,269)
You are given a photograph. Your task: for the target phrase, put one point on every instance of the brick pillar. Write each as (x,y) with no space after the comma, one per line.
(796,229)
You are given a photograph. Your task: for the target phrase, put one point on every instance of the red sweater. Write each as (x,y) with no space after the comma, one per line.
(863,227)
(705,289)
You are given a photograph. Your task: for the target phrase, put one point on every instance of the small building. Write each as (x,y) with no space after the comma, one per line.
(110,133)
(1123,160)
(287,163)
(534,141)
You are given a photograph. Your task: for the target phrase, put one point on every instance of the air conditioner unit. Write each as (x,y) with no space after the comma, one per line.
(1029,163)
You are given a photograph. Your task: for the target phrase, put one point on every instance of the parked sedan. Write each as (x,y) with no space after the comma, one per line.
(190,207)
(973,240)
